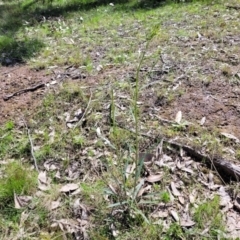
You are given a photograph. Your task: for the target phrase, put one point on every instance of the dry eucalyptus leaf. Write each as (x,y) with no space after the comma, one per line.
(174,215)
(43,187)
(188,170)
(143,190)
(178,117)
(210,178)
(129,170)
(160,214)
(154,178)
(203,120)
(225,199)
(17,203)
(170,194)
(55,205)
(187,223)
(69,187)
(181,199)
(175,192)
(24,217)
(42,177)
(191,198)
(230,136)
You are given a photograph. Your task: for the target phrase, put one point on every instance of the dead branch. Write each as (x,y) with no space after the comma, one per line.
(233,7)
(30,89)
(220,164)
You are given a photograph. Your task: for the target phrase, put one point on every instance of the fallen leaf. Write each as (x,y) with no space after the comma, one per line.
(43,187)
(42,177)
(17,203)
(187,223)
(55,205)
(178,117)
(203,120)
(154,178)
(230,136)
(159,214)
(181,199)
(99,68)
(174,215)
(143,190)
(175,192)
(69,187)
(192,196)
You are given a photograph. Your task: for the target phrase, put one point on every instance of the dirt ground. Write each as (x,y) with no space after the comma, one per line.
(13,79)
(218,101)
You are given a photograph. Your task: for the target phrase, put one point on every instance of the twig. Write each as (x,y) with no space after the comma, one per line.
(31,144)
(233,7)
(7,97)
(230,169)
(85,112)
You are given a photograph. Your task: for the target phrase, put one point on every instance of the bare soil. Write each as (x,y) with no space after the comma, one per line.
(218,101)
(13,79)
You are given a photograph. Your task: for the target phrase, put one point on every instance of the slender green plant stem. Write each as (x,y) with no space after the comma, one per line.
(136,119)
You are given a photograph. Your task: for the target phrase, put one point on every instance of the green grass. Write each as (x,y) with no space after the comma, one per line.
(209,214)
(15,179)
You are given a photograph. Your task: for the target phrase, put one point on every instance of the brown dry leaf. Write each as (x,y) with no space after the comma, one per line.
(130,169)
(175,192)
(170,194)
(43,187)
(225,199)
(154,178)
(69,187)
(174,215)
(210,178)
(24,217)
(112,188)
(57,175)
(178,117)
(181,200)
(188,170)
(17,203)
(21,201)
(55,204)
(230,136)
(187,223)
(143,190)
(203,120)
(42,177)
(160,214)
(192,196)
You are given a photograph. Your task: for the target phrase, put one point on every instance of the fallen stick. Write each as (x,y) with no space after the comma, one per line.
(233,7)
(230,170)
(30,89)
(221,164)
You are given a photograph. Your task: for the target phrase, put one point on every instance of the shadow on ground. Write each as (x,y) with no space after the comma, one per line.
(14,15)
